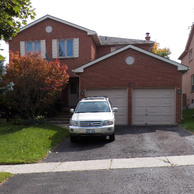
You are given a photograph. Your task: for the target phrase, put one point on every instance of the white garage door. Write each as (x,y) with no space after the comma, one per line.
(153,106)
(118,99)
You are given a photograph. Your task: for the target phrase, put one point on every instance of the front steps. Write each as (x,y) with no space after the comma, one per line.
(60,118)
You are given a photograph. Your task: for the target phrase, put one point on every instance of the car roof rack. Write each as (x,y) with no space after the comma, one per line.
(95,97)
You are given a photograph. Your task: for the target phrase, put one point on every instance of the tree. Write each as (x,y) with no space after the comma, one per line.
(14,14)
(165,52)
(37,83)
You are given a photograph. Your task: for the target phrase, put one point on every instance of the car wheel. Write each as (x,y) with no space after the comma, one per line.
(112,137)
(73,138)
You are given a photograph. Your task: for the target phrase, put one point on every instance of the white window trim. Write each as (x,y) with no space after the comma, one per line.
(65,44)
(55,48)
(42,47)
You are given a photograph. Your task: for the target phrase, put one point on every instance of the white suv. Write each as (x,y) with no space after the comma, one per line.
(93,116)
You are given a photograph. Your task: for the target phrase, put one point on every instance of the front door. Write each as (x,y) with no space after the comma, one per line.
(73,91)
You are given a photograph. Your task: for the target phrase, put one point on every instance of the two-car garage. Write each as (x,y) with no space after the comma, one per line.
(146,89)
(150,106)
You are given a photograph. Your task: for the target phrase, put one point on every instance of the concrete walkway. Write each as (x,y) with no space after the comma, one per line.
(106,164)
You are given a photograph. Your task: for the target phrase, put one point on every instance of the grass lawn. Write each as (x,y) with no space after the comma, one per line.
(28,144)
(188,120)
(4,176)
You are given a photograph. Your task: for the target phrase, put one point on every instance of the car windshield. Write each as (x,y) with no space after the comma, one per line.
(97,106)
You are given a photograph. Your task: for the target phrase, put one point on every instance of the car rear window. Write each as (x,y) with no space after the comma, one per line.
(97,106)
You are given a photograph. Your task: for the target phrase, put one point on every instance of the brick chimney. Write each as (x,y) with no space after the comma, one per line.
(147,36)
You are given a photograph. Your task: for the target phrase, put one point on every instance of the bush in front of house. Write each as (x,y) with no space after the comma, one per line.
(37,84)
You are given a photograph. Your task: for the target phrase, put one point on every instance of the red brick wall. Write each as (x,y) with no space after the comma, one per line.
(87,48)
(104,50)
(145,72)
(187,76)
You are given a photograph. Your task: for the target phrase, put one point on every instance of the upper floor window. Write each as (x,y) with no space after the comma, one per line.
(33,46)
(67,48)
(192,83)
(191,55)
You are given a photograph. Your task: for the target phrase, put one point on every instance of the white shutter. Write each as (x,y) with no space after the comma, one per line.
(43,48)
(54,48)
(22,48)
(76,47)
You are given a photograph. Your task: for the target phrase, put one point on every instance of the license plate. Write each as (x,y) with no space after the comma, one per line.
(90,131)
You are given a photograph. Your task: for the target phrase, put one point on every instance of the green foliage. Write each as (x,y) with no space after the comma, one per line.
(14,14)
(4,176)
(28,144)
(165,52)
(37,83)
(34,121)
(4,88)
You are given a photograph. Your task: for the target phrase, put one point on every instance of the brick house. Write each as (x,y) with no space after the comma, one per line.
(188,78)
(145,87)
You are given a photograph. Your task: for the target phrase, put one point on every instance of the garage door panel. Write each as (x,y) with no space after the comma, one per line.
(153,120)
(160,111)
(167,101)
(118,98)
(140,120)
(139,102)
(153,101)
(117,101)
(122,111)
(153,106)
(138,110)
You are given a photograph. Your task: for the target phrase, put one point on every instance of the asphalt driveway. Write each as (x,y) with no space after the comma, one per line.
(130,142)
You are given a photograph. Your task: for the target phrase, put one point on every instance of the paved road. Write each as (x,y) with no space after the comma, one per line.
(165,180)
(131,142)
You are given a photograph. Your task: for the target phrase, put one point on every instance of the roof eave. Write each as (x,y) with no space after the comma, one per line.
(179,66)
(188,42)
(89,32)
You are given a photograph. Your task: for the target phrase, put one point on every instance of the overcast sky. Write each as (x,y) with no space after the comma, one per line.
(168,21)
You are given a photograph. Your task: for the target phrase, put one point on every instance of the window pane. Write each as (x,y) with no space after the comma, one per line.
(192,79)
(28,47)
(191,55)
(61,48)
(84,107)
(69,48)
(36,47)
(192,88)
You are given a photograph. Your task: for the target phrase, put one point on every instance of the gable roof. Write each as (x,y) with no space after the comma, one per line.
(188,42)
(179,66)
(89,32)
(107,40)
(99,40)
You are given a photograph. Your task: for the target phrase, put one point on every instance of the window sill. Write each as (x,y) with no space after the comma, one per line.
(66,57)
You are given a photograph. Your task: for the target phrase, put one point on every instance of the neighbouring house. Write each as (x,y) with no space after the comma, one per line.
(188,78)
(145,87)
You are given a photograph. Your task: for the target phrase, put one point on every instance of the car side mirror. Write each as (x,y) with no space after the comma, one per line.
(115,109)
(71,110)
